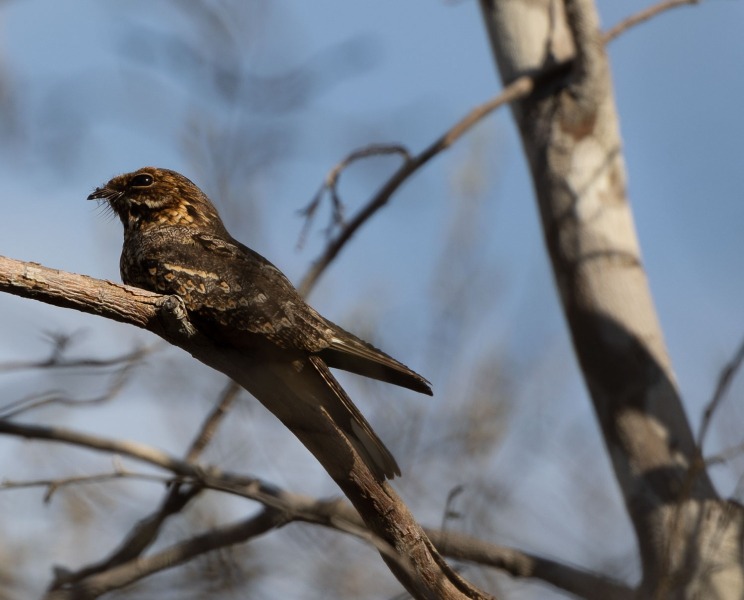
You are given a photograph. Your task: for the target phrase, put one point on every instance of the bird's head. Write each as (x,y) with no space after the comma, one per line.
(152,197)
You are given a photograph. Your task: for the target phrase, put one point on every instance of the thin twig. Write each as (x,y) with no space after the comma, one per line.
(725,455)
(135,570)
(53,485)
(144,533)
(724,382)
(209,427)
(119,380)
(330,185)
(643,16)
(57,361)
(514,91)
(134,450)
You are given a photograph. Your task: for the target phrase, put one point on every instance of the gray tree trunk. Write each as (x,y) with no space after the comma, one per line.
(689,539)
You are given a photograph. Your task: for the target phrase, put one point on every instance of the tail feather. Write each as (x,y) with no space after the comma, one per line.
(359,432)
(296,391)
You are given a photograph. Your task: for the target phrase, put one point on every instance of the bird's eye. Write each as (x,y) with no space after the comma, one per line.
(142,180)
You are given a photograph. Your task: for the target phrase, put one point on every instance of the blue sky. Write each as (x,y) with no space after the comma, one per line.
(422,65)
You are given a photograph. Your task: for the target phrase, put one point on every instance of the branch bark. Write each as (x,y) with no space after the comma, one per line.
(380,507)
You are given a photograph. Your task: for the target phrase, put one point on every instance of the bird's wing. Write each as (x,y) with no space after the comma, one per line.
(251,303)
(348,352)
(276,312)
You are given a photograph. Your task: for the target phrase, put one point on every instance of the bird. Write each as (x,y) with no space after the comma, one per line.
(175,243)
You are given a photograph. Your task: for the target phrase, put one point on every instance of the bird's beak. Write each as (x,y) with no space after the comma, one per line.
(104,193)
(98,194)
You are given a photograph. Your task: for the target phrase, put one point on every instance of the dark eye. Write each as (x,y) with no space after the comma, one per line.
(142,180)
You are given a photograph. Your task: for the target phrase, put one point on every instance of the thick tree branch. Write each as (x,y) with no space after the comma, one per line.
(382,510)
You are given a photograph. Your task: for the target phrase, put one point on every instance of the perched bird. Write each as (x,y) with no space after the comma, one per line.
(176,243)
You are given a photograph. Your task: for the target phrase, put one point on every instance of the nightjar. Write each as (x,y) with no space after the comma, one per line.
(176,243)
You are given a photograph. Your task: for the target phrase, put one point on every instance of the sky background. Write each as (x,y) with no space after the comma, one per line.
(89,101)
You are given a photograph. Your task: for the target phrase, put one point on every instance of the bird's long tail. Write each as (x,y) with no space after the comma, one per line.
(298,392)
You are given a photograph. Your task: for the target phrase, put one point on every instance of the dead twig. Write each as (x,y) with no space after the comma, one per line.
(56,359)
(144,533)
(724,383)
(330,185)
(52,485)
(119,380)
(517,89)
(206,433)
(643,16)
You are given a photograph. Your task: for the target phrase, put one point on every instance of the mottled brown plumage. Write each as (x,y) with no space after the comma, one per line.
(176,243)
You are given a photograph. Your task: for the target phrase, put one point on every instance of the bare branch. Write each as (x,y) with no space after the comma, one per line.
(134,570)
(119,380)
(517,89)
(177,497)
(57,361)
(134,450)
(306,510)
(584,584)
(724,382)
(643,16)
(330,185)
(209,427)
(53,485)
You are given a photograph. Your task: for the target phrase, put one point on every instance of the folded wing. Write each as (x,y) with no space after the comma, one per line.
(348,352)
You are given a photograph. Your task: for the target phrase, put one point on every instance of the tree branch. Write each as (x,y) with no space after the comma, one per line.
(57,361)
(571,137)
(176,498)
(382,510)
(643,16)
(517,89)
(134,570)
(519,564)
(281,508)
(724,382)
